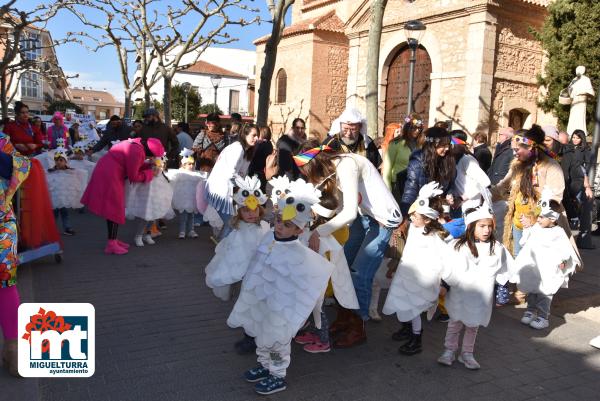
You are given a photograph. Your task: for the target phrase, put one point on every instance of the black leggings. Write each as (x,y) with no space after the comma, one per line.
(113,229)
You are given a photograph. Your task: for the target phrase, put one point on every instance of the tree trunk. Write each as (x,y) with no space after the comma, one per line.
(146,97)
(3,96)
(266,72)
(377,11)
(127,113)
(167,101)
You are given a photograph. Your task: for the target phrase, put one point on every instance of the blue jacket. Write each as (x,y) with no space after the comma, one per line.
(416,177)
(455,227)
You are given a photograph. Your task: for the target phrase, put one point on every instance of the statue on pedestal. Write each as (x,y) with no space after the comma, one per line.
(579,89)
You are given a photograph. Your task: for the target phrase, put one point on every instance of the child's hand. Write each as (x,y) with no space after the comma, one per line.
(443,291)
(525,221)
(314,242)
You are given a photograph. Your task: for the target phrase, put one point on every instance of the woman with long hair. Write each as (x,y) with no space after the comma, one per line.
(433,162)
(234,159)
(397,153)
(359,187)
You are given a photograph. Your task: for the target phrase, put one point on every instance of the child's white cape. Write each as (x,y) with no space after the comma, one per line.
(537,265)
(471,295)
(416,284)
(184,185)
(281,288)
(149,201)
(66,187)
(83,165)
(232,257)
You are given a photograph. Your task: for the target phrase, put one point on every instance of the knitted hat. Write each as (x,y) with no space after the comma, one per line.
(249,193)
(551,131)
(296,206)
(156,147)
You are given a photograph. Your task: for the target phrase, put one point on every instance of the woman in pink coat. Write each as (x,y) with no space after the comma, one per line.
(105,193)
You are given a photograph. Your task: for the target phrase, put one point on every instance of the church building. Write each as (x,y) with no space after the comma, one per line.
(477,63)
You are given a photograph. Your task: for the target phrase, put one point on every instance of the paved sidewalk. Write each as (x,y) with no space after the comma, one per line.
(161,335)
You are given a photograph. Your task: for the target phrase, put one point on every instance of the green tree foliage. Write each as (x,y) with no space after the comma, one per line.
(209,108)
(139,108)
(62,106)
(571,37)
(178,103)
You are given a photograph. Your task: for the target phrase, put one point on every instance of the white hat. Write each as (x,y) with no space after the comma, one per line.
(350,116)
(421,205)
(186,155)
(79,147)
(249,193)
(296,206)
(281,185)
(477,210)
(544,205)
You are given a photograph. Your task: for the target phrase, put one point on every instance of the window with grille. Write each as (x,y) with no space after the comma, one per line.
(281,86)
(31,85)
(234,101)
(31,46)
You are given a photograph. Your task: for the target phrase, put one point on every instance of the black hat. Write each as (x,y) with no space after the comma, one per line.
(434,134)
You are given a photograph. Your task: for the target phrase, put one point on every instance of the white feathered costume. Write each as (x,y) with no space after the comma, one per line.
(184,183)
(285,279)
(149,200)
(234,252)
(66,187)
(425,261)
(537,267)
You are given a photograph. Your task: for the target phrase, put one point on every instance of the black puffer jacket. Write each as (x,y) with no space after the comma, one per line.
(503,156)
(416,177)
(372,153)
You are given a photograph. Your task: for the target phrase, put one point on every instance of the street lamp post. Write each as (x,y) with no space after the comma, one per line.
(215,80)
(186,86)
(414,31)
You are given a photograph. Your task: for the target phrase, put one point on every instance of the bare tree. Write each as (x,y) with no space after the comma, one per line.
(377,11)
(17,30)
(278,11)
(168,41)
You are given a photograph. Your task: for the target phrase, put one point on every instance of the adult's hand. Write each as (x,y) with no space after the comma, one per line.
(271,167)
(589,193)
(314,242)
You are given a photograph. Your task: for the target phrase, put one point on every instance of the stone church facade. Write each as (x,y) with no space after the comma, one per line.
(476,68)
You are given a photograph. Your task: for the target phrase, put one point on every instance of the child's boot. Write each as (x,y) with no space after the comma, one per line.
(413,346)
(138,240)
(404,333)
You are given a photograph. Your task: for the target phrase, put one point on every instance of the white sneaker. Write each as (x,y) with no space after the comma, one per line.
(539,323)
(447,358)
(192,234)
(138,240)
(181,235)
(467,359)
(374,315)
(528,317)
(148,239)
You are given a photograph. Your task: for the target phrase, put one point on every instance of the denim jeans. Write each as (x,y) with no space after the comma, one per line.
(517,235)
(186,222)
(226,226)
(364,251)
(64,216)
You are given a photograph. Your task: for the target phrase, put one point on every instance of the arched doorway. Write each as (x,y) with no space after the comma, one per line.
(396,94)
(517,118)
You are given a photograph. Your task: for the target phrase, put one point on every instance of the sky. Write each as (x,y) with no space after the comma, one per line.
(100,70)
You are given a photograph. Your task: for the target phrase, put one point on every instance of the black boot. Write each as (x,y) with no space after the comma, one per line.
(413,346)
(404,333)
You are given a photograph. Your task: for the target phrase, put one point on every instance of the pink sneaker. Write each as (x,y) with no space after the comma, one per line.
(306,338)
(122,244)
(317,347)
(112,247)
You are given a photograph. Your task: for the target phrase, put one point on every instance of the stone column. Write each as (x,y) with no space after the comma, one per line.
(481,47)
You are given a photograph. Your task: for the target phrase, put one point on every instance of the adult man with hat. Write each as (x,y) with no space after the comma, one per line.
(155,128)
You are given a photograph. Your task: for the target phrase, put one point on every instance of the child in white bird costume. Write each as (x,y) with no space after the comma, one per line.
(283,284)
(234,252)
(416,284)
(184,182)
(480,262)
(66,186)
(545,262)
(78,159)
(315,338)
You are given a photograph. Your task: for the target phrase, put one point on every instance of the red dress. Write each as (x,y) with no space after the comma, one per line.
(105,193)
(24,134)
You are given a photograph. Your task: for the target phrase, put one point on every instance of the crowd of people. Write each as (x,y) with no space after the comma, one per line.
(448,228)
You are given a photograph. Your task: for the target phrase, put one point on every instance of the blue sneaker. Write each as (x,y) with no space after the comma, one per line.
(270,385)
(256,374)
